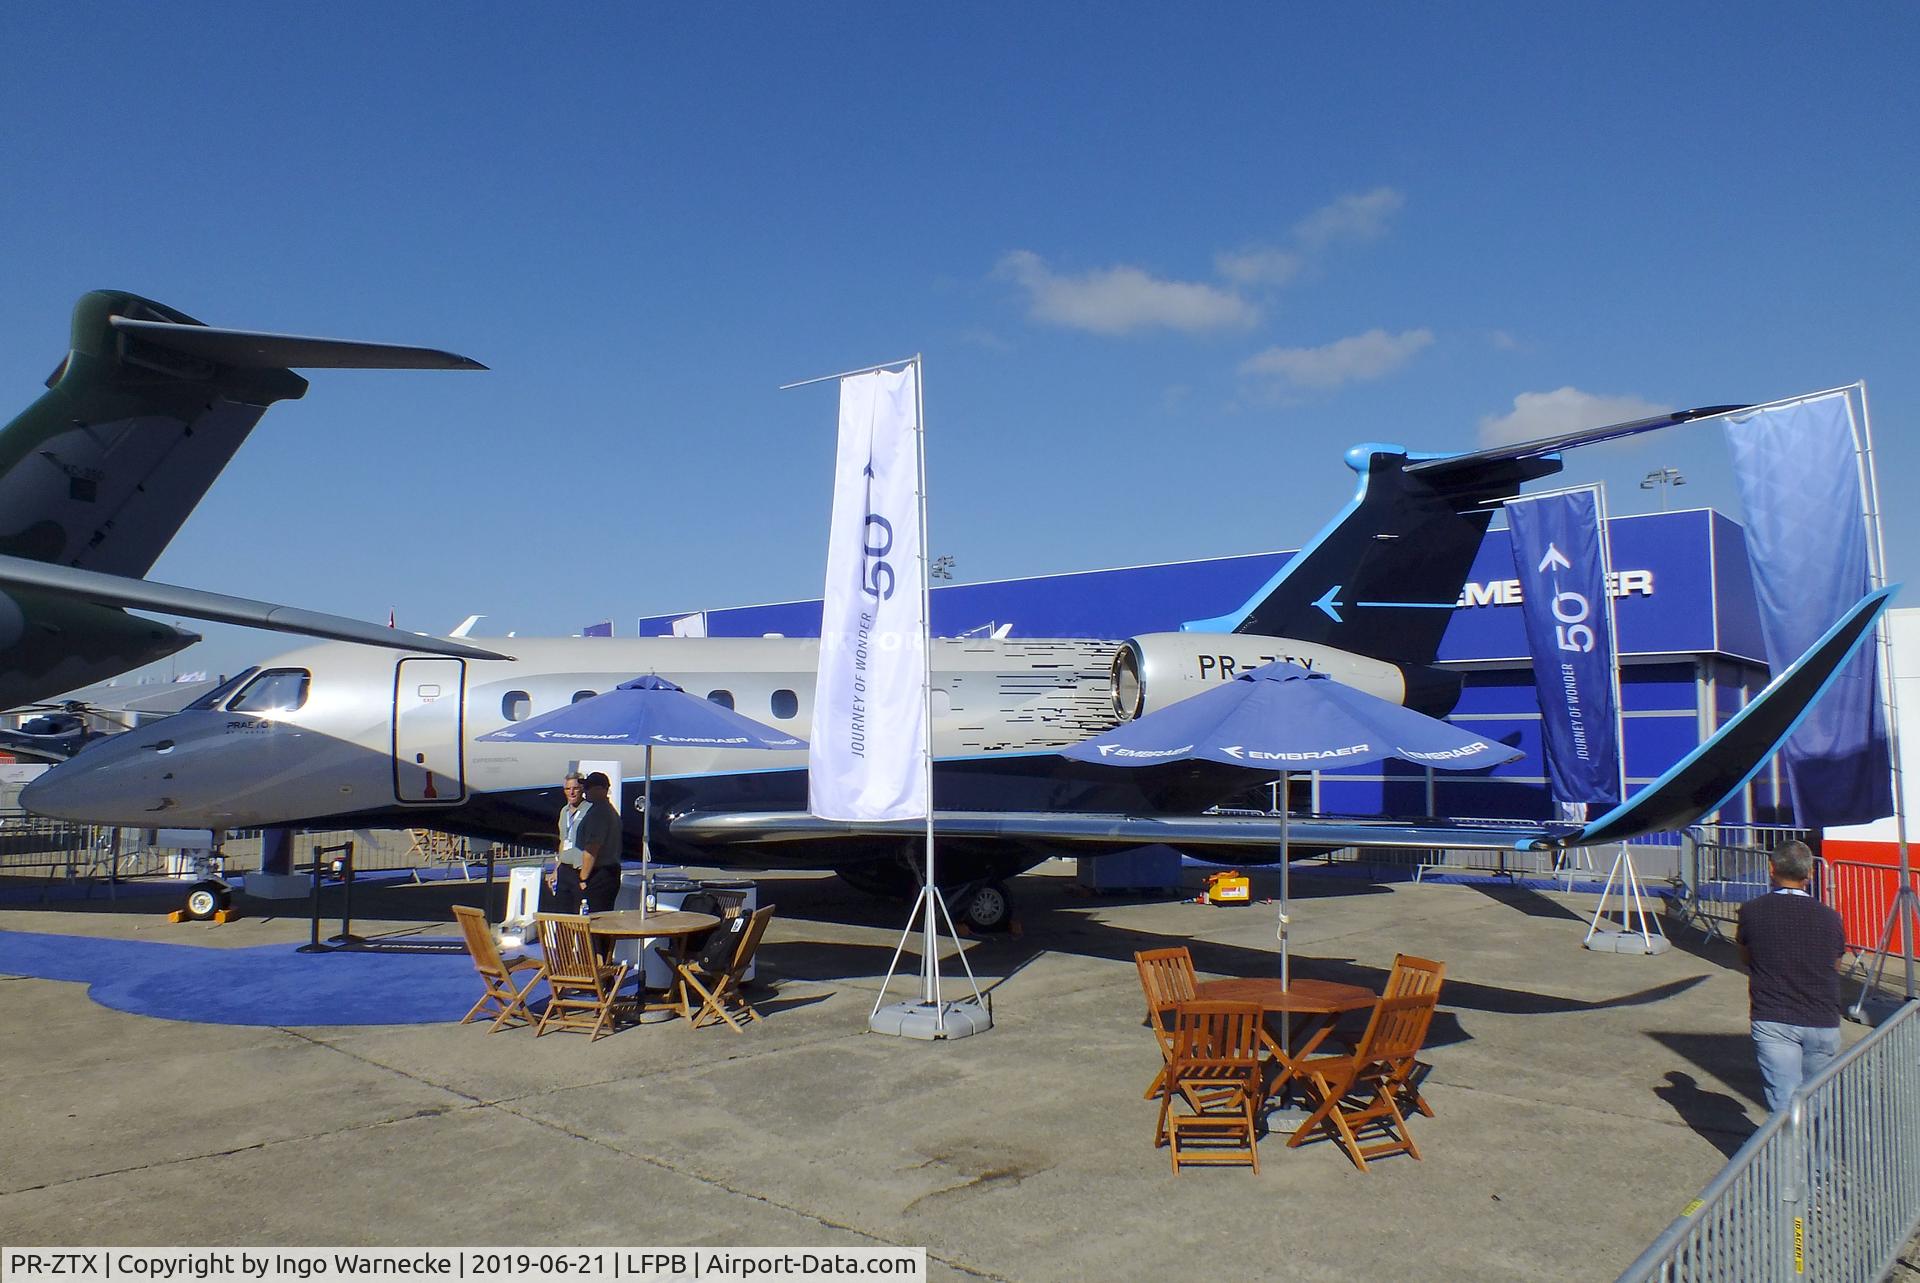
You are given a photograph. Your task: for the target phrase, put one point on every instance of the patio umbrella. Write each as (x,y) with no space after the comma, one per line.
(647,711)
(1279,718)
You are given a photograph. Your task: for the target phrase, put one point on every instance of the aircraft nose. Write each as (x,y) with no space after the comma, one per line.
(56,794)
(112,782)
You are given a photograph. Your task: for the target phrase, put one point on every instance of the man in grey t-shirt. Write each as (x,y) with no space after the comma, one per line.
(589,859)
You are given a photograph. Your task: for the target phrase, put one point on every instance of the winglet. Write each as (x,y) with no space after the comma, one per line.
(1703,780)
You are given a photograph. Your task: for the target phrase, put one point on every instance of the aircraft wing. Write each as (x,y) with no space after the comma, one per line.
(1702,781)
(1093,832)
(193,603)
(1697,785)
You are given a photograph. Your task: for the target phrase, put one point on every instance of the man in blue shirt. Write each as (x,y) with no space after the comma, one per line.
(1793,948)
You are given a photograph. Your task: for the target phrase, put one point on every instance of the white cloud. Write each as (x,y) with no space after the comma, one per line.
(1546,414)
(1119,300)
(1258,265)
(1361,217)
(1503,341)
(1349,360)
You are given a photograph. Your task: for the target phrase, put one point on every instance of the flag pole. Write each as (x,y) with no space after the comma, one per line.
(1906,905)
(930,962)
(930,1017)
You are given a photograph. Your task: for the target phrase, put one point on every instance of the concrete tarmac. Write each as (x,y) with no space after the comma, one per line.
(1581,1100)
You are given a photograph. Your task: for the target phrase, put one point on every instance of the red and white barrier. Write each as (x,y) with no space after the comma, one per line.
(1862,892)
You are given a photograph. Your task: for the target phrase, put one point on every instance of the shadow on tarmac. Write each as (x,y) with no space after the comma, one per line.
(1714,1116)
(1727,1057)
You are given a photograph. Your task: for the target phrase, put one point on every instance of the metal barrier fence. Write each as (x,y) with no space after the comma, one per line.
(1827,1189)
(1719,878)
(76,852)
(1862,894)
(60,851)
(1724,866)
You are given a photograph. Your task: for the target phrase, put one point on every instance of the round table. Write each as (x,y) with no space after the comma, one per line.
(1302,997)
(1320,1002)
(636,924)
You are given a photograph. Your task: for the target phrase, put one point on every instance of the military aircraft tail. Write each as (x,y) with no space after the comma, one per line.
(98,474)
(138,420)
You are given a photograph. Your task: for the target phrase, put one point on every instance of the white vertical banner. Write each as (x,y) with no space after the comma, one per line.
(867,749)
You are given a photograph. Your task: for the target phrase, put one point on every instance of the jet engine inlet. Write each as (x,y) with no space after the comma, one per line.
(1154,670)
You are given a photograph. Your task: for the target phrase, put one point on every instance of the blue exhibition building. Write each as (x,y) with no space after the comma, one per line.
(1689,642)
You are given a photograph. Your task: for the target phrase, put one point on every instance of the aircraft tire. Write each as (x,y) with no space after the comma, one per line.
(987,907)
(206,898)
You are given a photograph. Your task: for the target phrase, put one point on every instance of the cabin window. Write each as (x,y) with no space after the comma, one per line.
(515,705)
(214,697)
(580,695)
(278,690)
(723,698)
(785,704)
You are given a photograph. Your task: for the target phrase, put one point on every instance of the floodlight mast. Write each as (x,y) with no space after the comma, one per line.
(1664,479)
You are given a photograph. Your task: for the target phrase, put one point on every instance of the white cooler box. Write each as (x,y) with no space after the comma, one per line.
(671,887)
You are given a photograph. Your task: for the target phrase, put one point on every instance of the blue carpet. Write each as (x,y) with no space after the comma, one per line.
(263,985)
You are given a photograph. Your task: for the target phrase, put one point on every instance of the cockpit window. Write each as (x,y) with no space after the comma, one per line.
(213,697)
(278,690)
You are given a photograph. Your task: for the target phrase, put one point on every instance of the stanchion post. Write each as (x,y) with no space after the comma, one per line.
(346,938)
(493,849)
(313,944)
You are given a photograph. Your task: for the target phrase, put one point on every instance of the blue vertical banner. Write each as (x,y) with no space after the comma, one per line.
(1561,565)
(1798,468)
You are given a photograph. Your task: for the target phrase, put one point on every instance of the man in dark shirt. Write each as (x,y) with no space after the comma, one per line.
(589,859)
(1793,948)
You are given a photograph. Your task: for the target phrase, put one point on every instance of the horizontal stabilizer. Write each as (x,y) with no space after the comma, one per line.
(1702,781)
(139,594)
(255,350)
(1544,446)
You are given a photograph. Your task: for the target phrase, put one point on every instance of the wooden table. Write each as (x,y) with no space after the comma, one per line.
(675,925)
(1318,1003)
(636,924)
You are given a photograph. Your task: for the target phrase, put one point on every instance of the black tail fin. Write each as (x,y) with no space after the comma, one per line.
(1383,577)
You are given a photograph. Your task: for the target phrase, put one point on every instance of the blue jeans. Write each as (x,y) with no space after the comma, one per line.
(1790,1055)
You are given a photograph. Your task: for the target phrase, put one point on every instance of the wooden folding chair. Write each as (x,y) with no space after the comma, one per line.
(508,1001)
(1215,1072)
(1410,977)
(1358,1091)
(719,988)
(583,987)
(432,847)
(1166,976)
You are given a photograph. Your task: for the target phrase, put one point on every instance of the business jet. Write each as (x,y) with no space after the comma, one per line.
(339,736)
(98,474)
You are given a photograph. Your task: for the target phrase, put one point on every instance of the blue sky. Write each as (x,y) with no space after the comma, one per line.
(1165,264)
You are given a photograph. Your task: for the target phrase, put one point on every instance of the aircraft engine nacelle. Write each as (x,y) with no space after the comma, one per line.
(1154,670)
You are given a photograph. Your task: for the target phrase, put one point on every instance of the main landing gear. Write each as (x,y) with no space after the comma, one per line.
(980,904)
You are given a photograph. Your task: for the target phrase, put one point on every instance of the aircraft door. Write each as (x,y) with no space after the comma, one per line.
(429,731)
